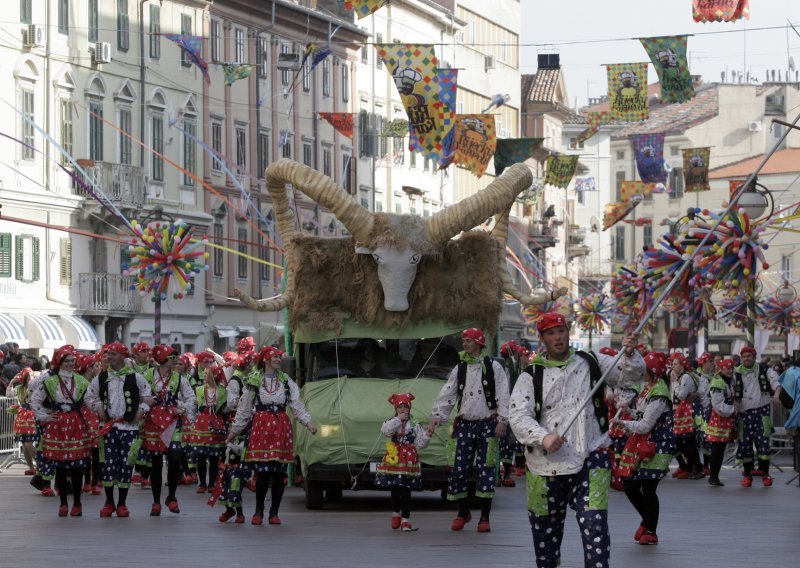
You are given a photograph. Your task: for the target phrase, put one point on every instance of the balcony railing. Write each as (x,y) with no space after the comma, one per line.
(123,184)
(541,234)
(104,293)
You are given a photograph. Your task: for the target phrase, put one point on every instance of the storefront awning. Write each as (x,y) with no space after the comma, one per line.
(245,330)
(12,331)
(43,332)
(225,331)
(80,333)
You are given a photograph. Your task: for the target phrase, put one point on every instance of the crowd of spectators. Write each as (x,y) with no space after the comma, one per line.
(12,361)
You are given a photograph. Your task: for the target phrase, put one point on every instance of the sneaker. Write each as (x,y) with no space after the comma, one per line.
(48,492)
(766,480)
(405,526)
(459,522)
(96,489)
(123,512)
(257,520)
(239,519)
(483,526)
(678,472)
(637,536)
(396,519)
(649,538)
(201,489)
(30,472)
(146,483)
(226,516)
(519,471)
(172,505)
(63,510)
(274,520)
(508,482)
(107,510)
(136,478)
(76,511)
(715,482)
(696,475)
(155,510)
(747,481)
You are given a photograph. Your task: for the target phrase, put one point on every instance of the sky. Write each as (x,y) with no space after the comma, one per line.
(555,26)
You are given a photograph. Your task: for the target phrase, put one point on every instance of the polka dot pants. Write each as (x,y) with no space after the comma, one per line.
(476,446)
(117,446)
(755,428)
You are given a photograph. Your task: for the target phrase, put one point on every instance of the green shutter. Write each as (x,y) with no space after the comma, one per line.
(35,275)
(5,255)
(19,274)
(65,268)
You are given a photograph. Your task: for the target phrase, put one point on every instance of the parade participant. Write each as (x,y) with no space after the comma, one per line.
(720,429)
(618,398)
(230,482)
(184,366)
(207,436)
(684,387)
(25,431)
(754,384)
(571,468)
(89,367)
(246,345)
(45,470)
(400,469)
(57,404)
(478,389)
(705,374)
(649,449)
(120,396)
(512,355)
(161,433)
(141,357)
(234,387)
(270,446)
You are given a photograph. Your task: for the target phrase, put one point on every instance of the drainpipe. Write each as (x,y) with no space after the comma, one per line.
(141,80)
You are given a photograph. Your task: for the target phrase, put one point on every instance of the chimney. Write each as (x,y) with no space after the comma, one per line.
(549,61)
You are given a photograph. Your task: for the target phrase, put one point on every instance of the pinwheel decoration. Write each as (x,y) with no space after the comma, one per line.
(593,312)
(779,315)
(733,311)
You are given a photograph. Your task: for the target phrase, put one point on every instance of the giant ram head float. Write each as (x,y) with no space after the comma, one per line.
(394,269)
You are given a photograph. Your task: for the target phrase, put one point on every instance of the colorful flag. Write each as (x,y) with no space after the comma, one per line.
(585,184)
(475,141)
(193,47)
(616,212)
(511,151)
(342,122)
(627,91)
(734,184)
(235,71)
(668,55)
(695,169)
(560,170)
(414,70)
(596,120)
(447,80)
(364,8)
(649,152)
(720,10)
(635,190)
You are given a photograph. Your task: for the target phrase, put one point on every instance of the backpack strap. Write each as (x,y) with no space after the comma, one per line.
(598,399)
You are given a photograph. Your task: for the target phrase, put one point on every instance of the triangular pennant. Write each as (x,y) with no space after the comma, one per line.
(342,122)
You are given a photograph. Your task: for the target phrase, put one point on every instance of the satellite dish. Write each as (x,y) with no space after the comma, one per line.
(594,223)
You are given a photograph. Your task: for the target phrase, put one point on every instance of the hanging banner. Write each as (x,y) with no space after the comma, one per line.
(585,184)
(720,10)
(342,122)
(560,170)
(668,55)
(627,91)
(695,169)
(235,71)
(596,120)
(616,212)
(511,151)
(734,184)
(649,152)
(635,190)
(192,46)
(475,141)
(414,69)
(447,82)
(364,8)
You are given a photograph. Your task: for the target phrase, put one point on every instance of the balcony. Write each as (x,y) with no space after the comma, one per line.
(123,184)
(540,234)
(576,238)
(108,294)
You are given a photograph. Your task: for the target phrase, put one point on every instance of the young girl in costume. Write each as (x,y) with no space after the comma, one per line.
(89,366)
(230,483)
(400,470)
(25,431)
(207,436)
(720,428)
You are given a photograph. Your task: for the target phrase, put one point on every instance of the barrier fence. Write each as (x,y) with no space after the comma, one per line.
(9,449)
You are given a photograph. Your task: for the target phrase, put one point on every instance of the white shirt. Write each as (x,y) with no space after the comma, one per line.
(271,391)
(473,400)
(753,397)
(116,397)
(62,402)
(395,426)
(563,391)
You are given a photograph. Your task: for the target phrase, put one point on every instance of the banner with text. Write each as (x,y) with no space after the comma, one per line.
(668,55)
(720,10)
(627,91)
(475,141)
(560,170)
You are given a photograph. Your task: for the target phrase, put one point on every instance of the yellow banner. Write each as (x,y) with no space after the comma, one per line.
(475,141)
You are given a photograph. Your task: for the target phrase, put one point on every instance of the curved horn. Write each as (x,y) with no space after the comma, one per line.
(271,305)
(475,209)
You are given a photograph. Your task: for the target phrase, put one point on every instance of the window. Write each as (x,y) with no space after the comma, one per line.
(241,146)
(307,154)
(286,149)
(366,131)
(27,258)
(96,130)
(786,267)
(157,143)
(674,151)
(155,31)
(28,132)
(346,182)
(216,145)
(473,30)
(326,161)
(25,11)
(620,176)
(94,21)
(307,72)
(263,57)
(326,78)
(378,60)
(216,32)
(242,246)
(63,17)
(264,270)
(186,28)
(619,244)
(398,154)
(426,164)
(189,151)
(125,126)
(123,26)
(365,54)
(676,183)
(263,153)
(620,154)
(65,112)
(503,50)
(581,197)
(574,144)
(218,256)
(648,235)
(412,159)
(345,82)
(398,208)
(5,255)
(65,262)
(239,46)
(378,206)
(285,73)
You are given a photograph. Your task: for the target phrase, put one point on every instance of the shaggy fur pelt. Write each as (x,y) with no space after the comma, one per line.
(332,284)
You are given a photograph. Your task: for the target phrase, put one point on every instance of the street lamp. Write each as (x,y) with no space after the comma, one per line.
(755,199)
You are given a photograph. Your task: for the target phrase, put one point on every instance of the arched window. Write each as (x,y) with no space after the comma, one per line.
(189,146)
(27,77)
(156,107)
(95,94)
(124,99)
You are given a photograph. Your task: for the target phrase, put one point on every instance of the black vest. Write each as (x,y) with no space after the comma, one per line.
(763,382)
(129,388)
(487,380)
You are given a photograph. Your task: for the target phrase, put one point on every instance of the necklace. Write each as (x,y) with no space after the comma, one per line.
(272,384)
(67,392)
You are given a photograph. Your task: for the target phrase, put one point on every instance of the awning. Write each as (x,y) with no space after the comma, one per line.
(43,332)
(80,333)
(11,331)
(225,331)
(245,330)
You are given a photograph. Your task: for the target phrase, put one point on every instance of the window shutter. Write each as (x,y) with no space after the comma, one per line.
(35,274)
(5,255)
(66,262)
(18,273)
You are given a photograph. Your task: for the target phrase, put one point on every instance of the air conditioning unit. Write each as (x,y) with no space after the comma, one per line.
(34,36)
(754,126)
(102,52)
(288,61)
(489,62)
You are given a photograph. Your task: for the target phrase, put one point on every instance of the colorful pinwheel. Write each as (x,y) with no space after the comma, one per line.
(593,312)
(779,315)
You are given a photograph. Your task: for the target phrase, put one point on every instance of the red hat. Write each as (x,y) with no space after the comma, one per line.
(59,355)
(219,375)
(705,358)
(140,347)
(25,374)
(162,352)
(268,352)
(508,348)
(475,335)
(230,357)
(727,364)
(205,358)
(748,349)
(117,347)
(680,357)
(551,320)
(185,359)
(523,351)
(401,398)
(246,344)
(656,363)
(609,351)
(84,361)
(2,354)
(245,359)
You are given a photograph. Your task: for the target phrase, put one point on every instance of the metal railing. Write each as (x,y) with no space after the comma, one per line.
(122,183)
(9,449)
(102,292)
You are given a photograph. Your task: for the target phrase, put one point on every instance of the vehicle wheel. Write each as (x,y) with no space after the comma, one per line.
(333,494)
(315,498)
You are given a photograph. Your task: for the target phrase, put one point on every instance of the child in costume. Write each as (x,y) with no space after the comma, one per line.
(228,490)
(25,431)
(720,428)
(400,469)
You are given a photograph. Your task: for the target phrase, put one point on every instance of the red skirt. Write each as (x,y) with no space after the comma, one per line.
(404,462)
(719,429)
(25,422)
(67,438)
(683,419)
(208,430)
(158,420)
(271,438)
(92,425)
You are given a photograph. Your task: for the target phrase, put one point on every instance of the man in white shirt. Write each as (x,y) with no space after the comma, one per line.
(573,467)
(478,388)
